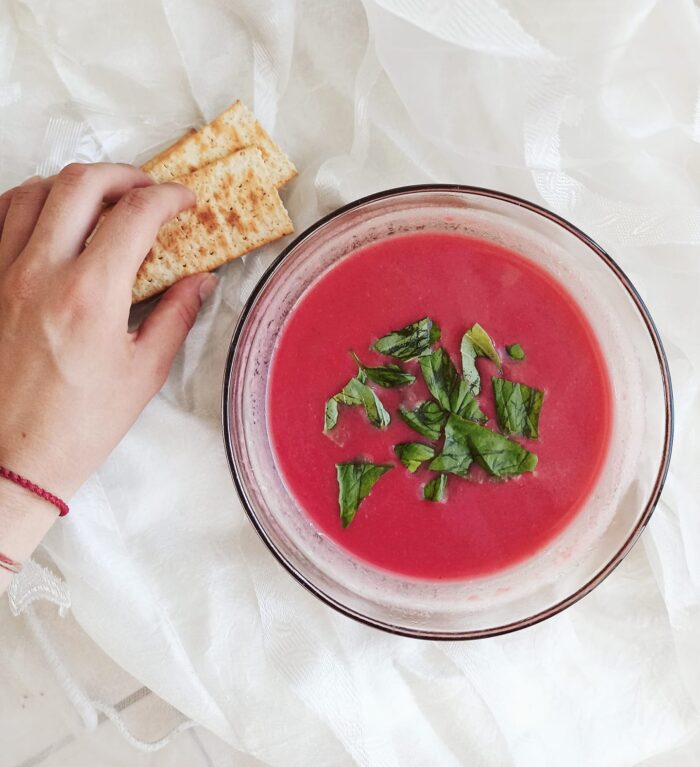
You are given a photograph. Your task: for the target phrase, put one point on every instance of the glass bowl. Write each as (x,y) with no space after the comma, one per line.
(626,491)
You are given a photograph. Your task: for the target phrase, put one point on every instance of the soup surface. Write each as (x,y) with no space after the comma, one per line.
(484,524)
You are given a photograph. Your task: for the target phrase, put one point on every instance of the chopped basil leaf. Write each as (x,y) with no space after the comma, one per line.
(412,454)
(457,463)
(483,345)
(456,458)
(435,489)
(427,419)
(330,418)
(356,392)
(517,407)
(387,376)
(352,393)
(440,376)
(516,352)
(469,408)
(376,412)
(469,371)
(409,342)
(355,480)
(448,387)
(492,451)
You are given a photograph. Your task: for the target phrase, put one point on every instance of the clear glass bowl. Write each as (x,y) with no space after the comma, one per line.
(622,500)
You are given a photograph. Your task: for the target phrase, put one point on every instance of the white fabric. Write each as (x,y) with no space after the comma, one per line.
(36,583)
(590,107)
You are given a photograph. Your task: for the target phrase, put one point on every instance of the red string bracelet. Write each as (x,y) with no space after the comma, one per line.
(9,564)
(62,506)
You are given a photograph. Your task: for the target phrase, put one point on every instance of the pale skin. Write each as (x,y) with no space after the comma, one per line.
(72,378)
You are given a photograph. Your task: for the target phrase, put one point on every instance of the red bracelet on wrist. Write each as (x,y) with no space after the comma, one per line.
(10,565)
(62,506)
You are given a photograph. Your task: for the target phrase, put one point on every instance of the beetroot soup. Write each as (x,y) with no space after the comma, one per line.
(515,432)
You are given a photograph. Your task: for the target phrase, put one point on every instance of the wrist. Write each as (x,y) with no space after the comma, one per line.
(24,520)
(39,461)
(39,491)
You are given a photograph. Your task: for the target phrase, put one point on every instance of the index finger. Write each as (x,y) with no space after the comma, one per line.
(128,231)
(74,203)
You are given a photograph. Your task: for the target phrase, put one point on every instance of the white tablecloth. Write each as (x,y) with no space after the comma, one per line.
(589,107)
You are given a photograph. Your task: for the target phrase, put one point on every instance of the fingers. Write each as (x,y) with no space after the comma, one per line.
(74,204)
(25,205)
(127,232)
(165,329)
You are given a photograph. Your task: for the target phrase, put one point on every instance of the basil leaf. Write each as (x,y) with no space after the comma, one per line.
(330,418)
(412,454)
(456,457)
(457,463)
(448,387)
(469,371)
(427,419)
(469,408)
(409,342)
(387,376)
(355,480)
(356,392)
(516,352)
(517,407)
(483,345)
(492,451)
(435,489)
(352,393)
(440,376)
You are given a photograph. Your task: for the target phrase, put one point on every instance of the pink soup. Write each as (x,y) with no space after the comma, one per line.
(484,525)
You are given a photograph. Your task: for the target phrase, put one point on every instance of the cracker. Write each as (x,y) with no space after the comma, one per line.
(234,129)
(238,209)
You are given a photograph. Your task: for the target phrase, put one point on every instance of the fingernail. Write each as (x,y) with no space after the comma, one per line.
(32,180)
(207,286)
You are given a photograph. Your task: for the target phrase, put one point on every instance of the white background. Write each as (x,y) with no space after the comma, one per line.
(590,108)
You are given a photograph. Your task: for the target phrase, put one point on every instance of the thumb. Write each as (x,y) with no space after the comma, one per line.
(165,329)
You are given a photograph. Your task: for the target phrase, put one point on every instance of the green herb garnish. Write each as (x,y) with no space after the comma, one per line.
(409,342)
(330,414)
(516,352)
(454,409)
(495,453)
(469,371)
(517,407)
(427,419)
(435,489)
(387,376)
(457,462)
(356,392)
(448,387)
(355,480)
(456,457)
(413,454)
(483,345)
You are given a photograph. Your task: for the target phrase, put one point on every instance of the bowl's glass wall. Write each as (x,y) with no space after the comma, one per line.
(622,498)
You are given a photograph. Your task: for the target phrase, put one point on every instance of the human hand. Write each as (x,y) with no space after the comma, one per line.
(72,378)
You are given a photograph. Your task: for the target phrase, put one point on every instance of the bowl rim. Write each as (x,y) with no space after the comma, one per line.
(661,474)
